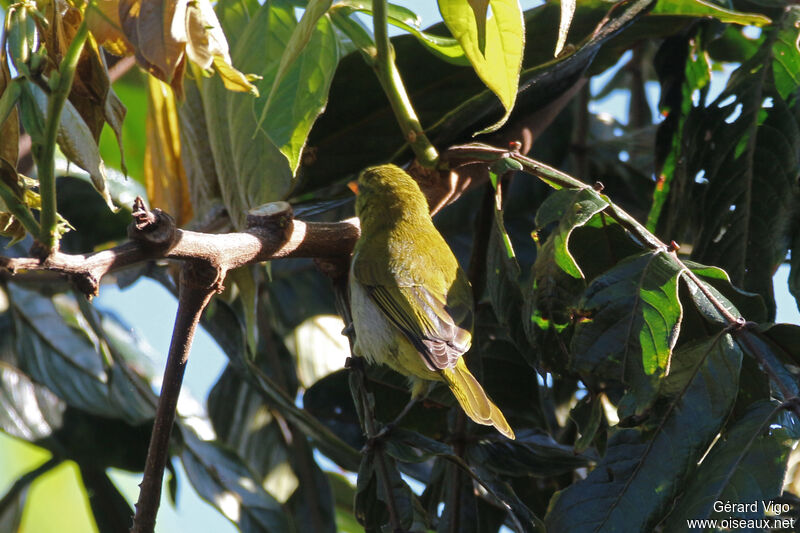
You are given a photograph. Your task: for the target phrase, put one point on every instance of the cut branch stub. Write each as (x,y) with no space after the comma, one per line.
(154,228)
(277,217)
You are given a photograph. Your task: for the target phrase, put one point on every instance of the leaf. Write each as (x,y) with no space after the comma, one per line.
(298,91)
(531,454)
(684,70)
(452,100)
(786,55)
(241,150)
(445,48)
(223,480)
(567,12)
(59,350)
(373,502)
(735,301)
(164,177)
(77,143)
(197,157)
(9,115)
(318,347)
(748,144)
(206,46)
(702,8)
(110,509)
(633,317)
(747,464)
(103,20)
(642,471)
(157,33)
(27,411)
(499,66)
(571,209)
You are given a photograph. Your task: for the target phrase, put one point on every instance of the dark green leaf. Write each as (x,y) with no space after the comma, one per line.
(57,349)
(111,511)
(745,465)
(633,317)
(531,454)
(747,143)
(220,477)
(633,486)
(735,301)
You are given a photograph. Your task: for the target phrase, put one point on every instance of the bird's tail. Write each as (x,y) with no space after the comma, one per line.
(473,400)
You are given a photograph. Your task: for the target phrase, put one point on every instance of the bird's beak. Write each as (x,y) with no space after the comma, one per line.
(353,186)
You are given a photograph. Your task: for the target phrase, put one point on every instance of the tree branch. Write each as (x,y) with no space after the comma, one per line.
(199,282)
(272,233)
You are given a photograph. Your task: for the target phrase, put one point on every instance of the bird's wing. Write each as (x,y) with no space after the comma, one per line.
(439,329)
(426,321)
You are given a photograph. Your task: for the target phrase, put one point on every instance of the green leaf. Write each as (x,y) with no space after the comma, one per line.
(786,55)
(240,149)
(682,71)
(747,464)
(77,143)
(498,64)
(644,469)
(379,487)
(220,477)
(717,283)
(446,48)
(702,8)
(748,144)
(572,209)
(299,87)
(633,317)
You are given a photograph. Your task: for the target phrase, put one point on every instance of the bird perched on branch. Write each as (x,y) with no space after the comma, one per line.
(411,302)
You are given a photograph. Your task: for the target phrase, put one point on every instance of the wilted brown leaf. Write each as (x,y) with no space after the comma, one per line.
(9,129)
(164,33)
(102,17)
(165,179)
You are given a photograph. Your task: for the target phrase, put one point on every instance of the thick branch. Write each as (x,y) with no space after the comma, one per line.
(272,234)
(198,284)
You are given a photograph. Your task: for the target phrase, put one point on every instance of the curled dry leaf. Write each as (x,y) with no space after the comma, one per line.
(163,34)
(102,17)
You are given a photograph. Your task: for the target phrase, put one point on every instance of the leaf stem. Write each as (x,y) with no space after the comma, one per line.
(61,84)
(392,84)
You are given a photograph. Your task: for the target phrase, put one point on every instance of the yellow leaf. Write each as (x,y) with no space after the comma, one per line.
(232,78)
(165,179)
(498,65)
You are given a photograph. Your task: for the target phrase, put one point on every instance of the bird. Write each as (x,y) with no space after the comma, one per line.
(411,303)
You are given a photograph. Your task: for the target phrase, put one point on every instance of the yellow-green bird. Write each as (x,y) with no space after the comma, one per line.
(411,302)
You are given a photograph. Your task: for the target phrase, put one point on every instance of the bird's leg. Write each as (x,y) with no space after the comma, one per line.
(419,391)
